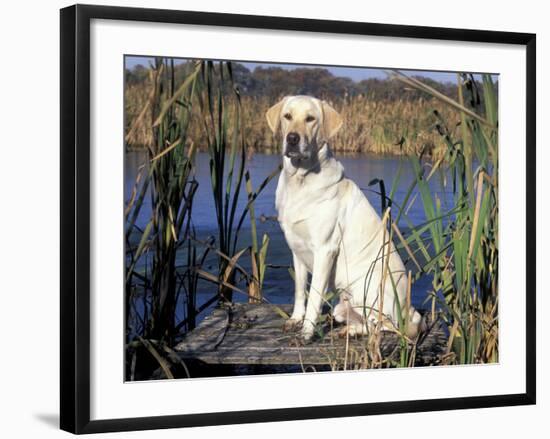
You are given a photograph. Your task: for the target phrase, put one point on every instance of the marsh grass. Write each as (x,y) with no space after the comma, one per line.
(457,248)
(397,127)
(463,253)
(168,115)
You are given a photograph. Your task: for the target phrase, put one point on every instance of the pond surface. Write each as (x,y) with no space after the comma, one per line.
(278,285)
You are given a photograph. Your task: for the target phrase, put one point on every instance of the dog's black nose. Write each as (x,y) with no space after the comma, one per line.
(292,139)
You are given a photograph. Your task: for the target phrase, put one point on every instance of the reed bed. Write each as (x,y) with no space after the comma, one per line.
(158,289)
(458,247)
(396,127)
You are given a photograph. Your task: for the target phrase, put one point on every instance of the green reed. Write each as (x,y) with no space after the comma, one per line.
(457,244)
(170,112)
(172,187)
(460,245)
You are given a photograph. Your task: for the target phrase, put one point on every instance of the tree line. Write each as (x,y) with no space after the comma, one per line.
(273,82)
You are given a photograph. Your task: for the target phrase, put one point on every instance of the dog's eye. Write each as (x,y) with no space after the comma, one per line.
(310,118)
(288,116)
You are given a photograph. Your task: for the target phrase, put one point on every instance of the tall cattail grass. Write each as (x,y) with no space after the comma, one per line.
(397,127)
(151,252)
(166,115)
(457,248)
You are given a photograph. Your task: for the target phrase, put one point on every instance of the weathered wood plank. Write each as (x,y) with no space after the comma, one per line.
(252,335)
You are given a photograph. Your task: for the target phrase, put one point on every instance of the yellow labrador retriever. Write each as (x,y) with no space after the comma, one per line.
(333,231)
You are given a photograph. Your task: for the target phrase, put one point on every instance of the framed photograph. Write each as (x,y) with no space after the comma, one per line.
(278,218)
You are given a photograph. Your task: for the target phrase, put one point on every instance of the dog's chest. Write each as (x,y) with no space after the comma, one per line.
(299,217)
(295,218)
(298,236)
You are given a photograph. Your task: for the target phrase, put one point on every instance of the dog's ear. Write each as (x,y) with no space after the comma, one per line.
(273,115)
(332,121)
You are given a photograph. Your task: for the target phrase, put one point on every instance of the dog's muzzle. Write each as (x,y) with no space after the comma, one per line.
(292,146)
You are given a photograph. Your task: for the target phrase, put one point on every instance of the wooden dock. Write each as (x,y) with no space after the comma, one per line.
(246,334)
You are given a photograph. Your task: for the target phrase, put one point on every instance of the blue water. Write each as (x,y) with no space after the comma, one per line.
(278,284)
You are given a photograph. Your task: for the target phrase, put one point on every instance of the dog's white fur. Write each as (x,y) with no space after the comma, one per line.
(333,231)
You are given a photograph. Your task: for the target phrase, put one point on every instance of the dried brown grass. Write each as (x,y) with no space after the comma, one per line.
(375,127)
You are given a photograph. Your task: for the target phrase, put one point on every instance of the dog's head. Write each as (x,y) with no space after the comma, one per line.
(305,123)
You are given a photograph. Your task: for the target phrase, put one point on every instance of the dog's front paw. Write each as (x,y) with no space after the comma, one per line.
(307,331)
(292,324)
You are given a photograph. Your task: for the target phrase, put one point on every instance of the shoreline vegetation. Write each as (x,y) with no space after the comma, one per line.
(381,116)
(201,106)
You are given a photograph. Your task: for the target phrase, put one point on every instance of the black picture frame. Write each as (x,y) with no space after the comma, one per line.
(75,217)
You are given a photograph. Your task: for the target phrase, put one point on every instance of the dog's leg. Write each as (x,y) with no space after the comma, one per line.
(323,264)
(300,286)
(345,313)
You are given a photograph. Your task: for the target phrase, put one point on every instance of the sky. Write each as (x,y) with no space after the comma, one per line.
(355,73)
